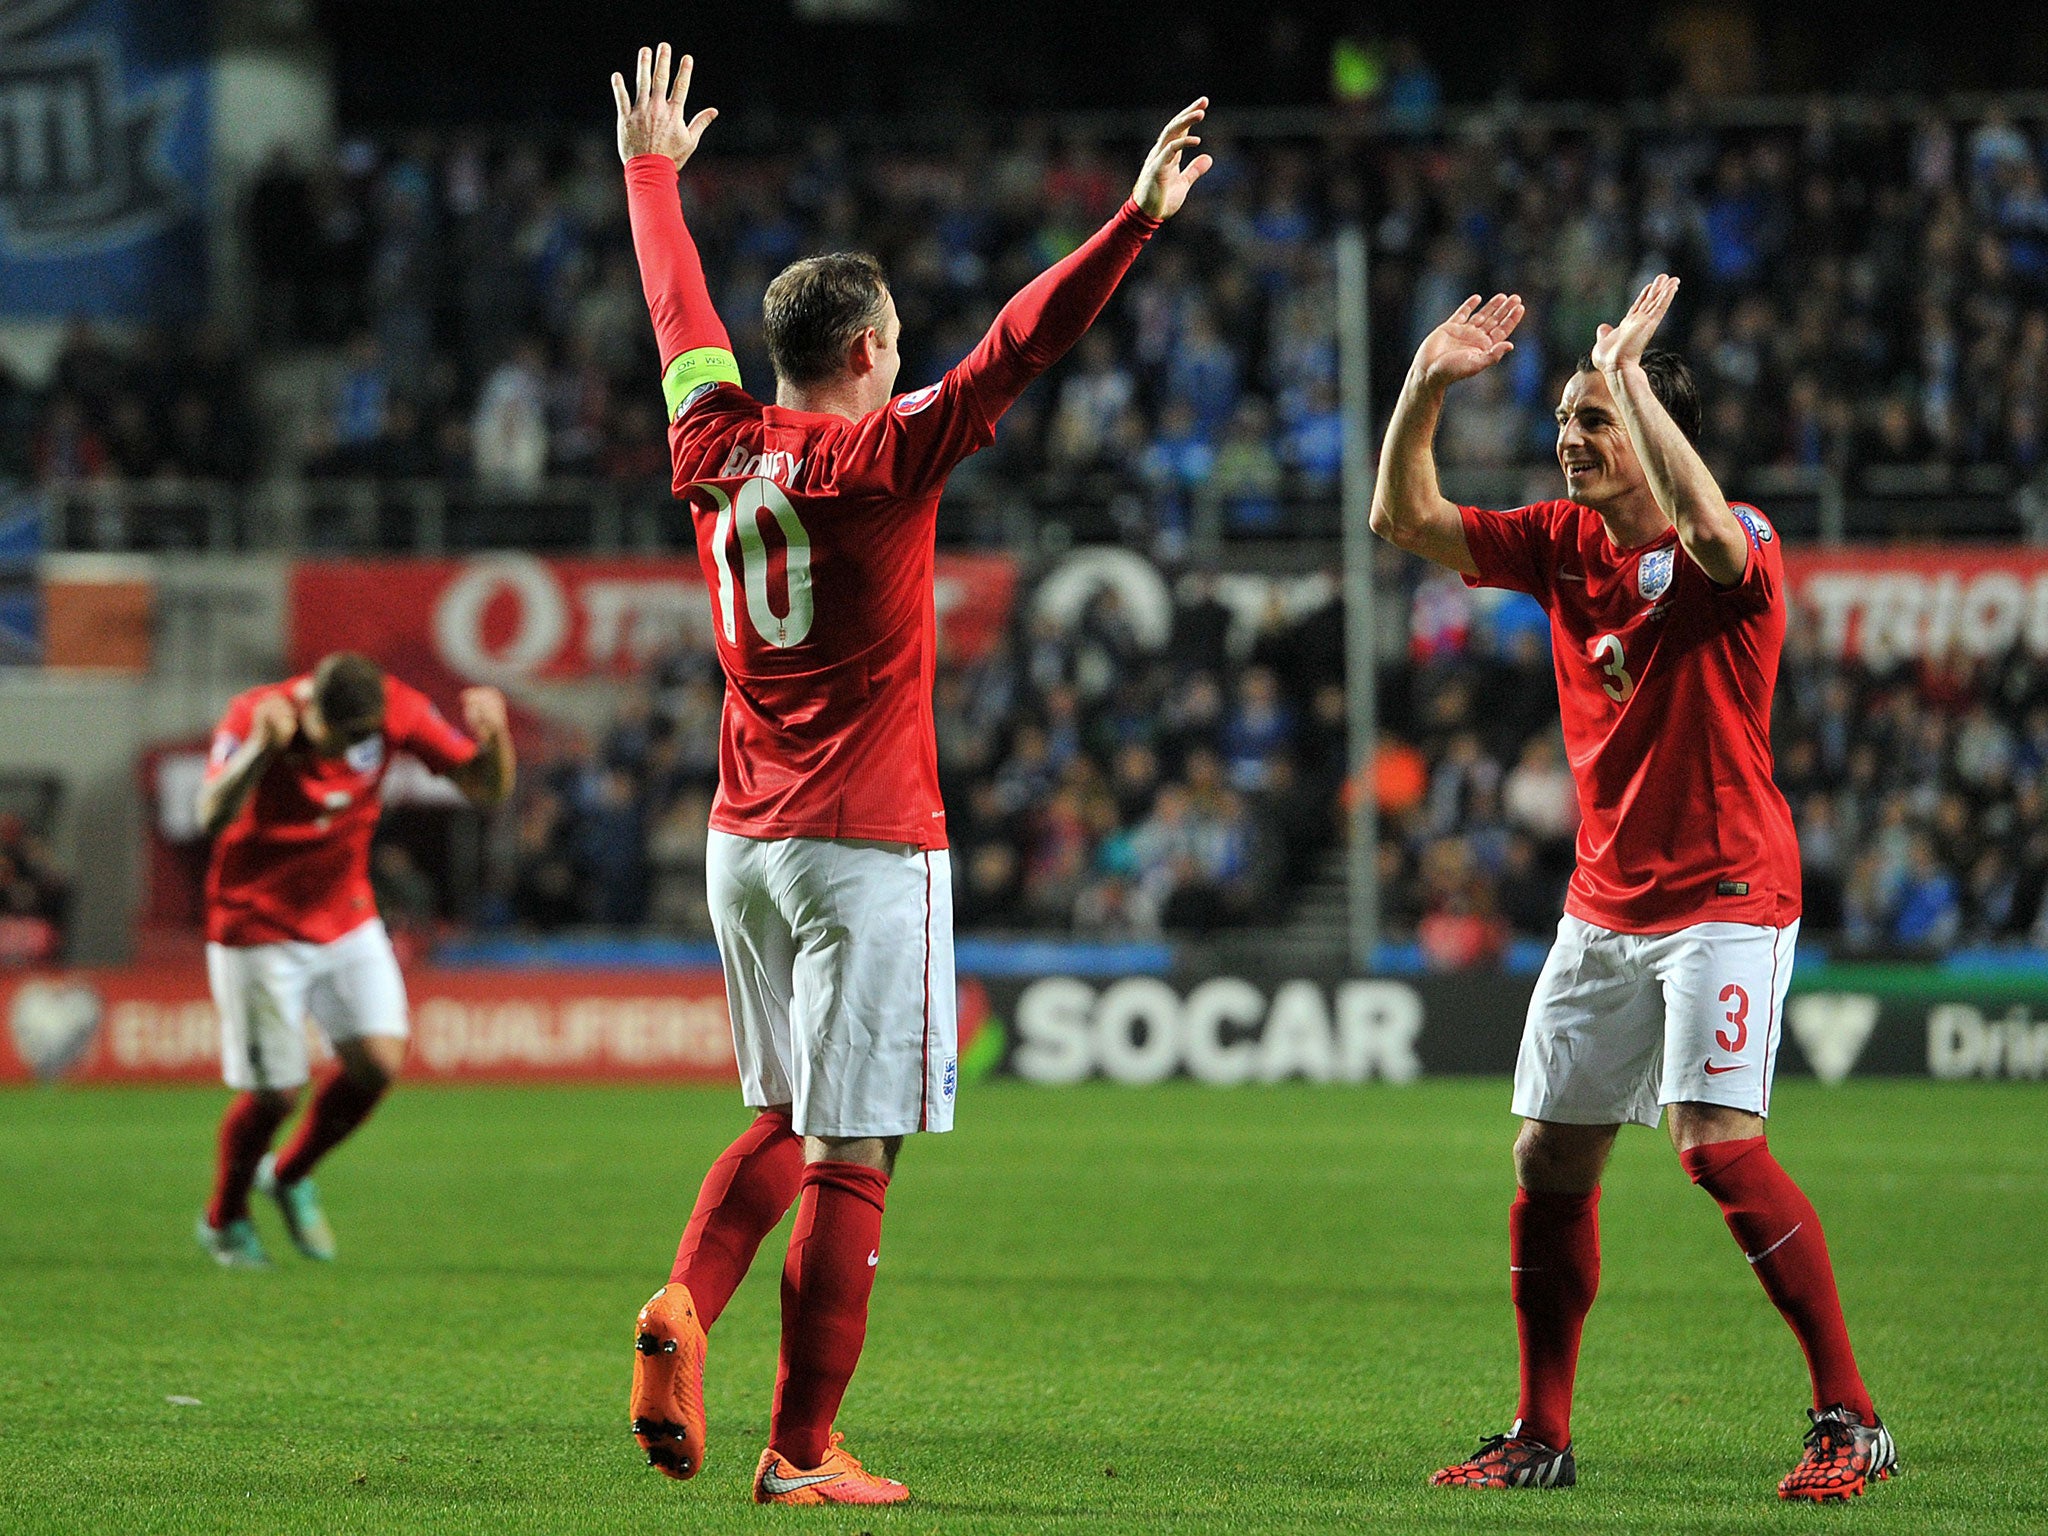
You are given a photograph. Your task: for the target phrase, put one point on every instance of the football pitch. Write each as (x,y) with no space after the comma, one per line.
(1099,1309)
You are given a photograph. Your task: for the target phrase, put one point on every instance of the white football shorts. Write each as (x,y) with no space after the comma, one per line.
(350,986)
(838,960)
(1622,1024)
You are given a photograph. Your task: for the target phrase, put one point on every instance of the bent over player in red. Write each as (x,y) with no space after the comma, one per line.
(829,886)
(291,795)
(1666,984)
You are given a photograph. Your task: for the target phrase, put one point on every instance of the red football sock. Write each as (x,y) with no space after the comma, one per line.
(744,1196)
(1554,1273)
(1781,1237)
(340,1104)
(825,1286)
(245,1132)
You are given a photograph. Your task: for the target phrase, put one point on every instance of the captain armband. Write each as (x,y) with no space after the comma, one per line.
(693,372)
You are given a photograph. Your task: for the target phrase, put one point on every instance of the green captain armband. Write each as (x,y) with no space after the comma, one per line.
(692,370)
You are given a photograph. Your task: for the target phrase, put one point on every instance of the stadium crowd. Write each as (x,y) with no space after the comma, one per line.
(1091,782)
(1100,787)
(1917,787)
(1859,293)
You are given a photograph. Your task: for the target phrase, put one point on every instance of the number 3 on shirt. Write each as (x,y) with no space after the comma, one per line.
(1609,658)
(756,496)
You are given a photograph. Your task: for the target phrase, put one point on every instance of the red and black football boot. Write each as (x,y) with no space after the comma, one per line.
(1843,1456)
(1512,1460)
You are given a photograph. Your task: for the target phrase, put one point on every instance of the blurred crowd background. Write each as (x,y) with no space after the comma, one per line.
(1097,788)
(1863,296)
(1865,301)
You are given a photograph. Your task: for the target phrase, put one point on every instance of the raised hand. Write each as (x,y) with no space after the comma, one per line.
(1471,341)
(273,722)
(483,711)
(652,120)
(1620,345)
(1163,183)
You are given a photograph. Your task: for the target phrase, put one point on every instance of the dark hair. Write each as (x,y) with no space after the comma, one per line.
(1672,383)
(816,307)
(348,688)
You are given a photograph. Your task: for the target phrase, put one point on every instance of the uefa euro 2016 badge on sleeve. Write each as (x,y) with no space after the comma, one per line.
(1653,572)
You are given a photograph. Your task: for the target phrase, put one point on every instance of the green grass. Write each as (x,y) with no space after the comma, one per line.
(1099,1310)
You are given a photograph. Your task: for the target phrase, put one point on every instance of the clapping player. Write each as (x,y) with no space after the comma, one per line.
(829,887)
(1666,986)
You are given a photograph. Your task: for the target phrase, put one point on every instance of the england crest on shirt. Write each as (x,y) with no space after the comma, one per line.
(1654,571)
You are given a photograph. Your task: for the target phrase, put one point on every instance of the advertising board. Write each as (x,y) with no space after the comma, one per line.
(1226,1029)
(509,619)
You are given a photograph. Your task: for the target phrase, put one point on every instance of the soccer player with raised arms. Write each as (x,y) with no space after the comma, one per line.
(1665,987)
(830,894)
(292,794)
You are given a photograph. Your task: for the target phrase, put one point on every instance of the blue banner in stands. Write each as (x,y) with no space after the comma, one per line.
(104,108)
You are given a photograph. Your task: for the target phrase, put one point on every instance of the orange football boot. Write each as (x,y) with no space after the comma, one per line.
(1843,1457)
(839,1479)
(668,1383)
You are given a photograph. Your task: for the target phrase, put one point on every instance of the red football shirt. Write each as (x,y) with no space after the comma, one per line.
(294,864)
(816,536)
(1664,681)
(816,532)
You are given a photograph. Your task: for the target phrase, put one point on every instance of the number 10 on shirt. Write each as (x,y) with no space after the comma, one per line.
(756,496)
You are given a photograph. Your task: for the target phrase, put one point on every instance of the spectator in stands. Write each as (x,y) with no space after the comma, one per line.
(1313,446)
(66,446)
(1538,795)
(406,898)
(35,898)
(1928,909)
(509,441)
(611,847)
(675,857)
(1530,892)
(1258,733)
(1459,928)
(1162,854)
(1091,403)
(1246,477)
(1177,461)
(279,213)
(544,891)
(362,395)
(1484,428)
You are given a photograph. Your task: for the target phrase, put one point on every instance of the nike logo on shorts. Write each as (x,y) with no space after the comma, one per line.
(874,1258)
(1714,1071)
(775,1482)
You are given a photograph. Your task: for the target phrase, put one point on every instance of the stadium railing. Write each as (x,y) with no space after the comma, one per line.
(432,516)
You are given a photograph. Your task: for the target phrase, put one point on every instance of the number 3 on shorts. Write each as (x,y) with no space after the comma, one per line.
(1609,658)
(1738,1016)
(756,496)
